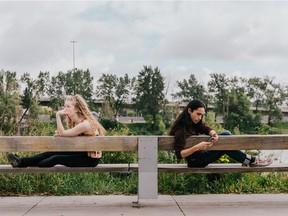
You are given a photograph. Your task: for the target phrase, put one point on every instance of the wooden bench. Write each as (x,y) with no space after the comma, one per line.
(147,148)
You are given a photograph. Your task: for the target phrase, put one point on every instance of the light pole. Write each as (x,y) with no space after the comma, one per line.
(73,42)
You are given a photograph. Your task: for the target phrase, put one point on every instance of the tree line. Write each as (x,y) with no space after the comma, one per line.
(145,94)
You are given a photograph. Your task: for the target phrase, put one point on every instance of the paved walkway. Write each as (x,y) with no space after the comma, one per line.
(197,205)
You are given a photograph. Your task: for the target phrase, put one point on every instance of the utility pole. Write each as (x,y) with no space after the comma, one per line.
(73,42)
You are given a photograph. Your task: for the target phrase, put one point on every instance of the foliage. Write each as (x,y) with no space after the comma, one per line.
(110,124)
(191,89)
(56,91)
(31,95)
(125,183)
(76,81)
(280,124)
(218,89)
(68,183)
(240,115)
(223,183)
(209,118)
(139,129)
(264,129)
(267,94)
(79,82)
(10,101)
(159,125)
(106,111)
(149,96)
(115,91)
(232,101)
(168,157)
(37,128)
(170,114)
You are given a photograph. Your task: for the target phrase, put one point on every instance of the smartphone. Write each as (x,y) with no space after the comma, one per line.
(210,139)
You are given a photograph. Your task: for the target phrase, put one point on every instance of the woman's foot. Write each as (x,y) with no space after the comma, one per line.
(14,160)
(258,162)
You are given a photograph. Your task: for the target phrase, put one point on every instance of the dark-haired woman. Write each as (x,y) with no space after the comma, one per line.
(190,123)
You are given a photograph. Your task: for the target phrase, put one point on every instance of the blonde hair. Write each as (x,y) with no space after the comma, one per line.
(85,113)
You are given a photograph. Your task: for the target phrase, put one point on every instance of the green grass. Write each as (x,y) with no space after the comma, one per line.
(119,183)
(223,183)
(68,184)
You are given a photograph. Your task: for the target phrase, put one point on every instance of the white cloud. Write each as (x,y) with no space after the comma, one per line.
(118,37)
(227,31)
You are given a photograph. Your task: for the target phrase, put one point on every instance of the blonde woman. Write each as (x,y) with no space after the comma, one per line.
(80,122)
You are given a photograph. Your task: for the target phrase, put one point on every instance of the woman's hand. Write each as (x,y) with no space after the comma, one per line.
(61,112)
(60,128)
(200,146)
(56,133)
(204,145)
(213,135)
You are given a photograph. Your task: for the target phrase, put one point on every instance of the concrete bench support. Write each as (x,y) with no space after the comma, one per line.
(147,166)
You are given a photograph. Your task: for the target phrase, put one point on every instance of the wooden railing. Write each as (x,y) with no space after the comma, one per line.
(147,148)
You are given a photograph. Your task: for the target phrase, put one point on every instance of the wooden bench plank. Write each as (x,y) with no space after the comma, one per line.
(220,168)
(51,143)
(130,143)
(162,168)
(235,142)
(62,169)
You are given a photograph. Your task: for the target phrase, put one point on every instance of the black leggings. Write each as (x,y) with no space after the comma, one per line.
(50,159)
(205,157)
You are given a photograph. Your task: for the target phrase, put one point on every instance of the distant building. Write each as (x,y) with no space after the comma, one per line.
(179,107)
(132,119)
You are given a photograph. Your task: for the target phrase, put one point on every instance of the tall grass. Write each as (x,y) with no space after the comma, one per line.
(223,183)
(68,183)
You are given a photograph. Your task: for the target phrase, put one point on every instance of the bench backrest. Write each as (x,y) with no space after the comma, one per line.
(235,142)
(130,143)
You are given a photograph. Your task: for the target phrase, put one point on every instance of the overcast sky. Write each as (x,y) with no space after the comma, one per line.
(240,38)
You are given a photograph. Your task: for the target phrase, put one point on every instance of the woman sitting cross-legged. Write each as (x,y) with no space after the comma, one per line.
(80,122)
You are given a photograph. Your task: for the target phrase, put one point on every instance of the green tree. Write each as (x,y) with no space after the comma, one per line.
(149,94)
(9,101)
(115,91)
(123,93)
(268,95)
(256,91)
(233,103)
(240,113)
(274,98)
(79,81)
(73,82)
(56,91)
(35,88)
(191,89)
(218,88)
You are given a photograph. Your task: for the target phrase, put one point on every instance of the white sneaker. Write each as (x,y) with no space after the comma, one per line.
(261,162)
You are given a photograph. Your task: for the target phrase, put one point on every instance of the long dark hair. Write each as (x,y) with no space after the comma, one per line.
(184,119)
